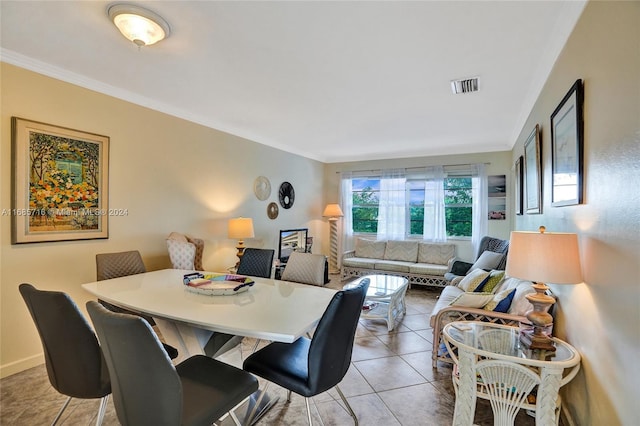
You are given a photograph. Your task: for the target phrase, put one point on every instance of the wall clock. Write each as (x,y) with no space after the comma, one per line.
(272,211)
(286,195)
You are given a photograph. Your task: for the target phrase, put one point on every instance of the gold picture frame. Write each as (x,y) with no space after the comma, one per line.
(60,183)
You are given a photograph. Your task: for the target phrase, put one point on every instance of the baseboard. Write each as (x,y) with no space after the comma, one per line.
(20,365)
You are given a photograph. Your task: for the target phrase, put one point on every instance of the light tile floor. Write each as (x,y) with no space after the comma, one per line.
(390,382)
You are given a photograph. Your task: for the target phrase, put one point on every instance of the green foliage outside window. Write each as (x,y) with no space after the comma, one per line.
(458,208)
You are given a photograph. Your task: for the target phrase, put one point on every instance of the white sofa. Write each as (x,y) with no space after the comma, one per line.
(418,261)
(457,304)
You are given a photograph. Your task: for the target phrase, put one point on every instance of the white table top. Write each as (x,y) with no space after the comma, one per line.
(272,310)
(381,285)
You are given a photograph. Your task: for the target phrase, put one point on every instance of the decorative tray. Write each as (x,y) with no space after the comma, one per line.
(216,284)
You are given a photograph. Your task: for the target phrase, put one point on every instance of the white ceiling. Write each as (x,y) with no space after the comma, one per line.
(332,81)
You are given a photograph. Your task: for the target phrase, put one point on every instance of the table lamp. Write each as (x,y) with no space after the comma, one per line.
(542,257)
(240,228)
(333,212)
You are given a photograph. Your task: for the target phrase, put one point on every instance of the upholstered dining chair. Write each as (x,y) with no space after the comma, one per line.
(305,268)
(256,262)
(149,390)
(185,252)
(74,361)
(309,367)
(122,264)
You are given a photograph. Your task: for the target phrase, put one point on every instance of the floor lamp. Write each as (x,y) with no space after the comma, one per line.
(333,212)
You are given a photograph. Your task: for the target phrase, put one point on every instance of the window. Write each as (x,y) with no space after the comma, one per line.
(457,198)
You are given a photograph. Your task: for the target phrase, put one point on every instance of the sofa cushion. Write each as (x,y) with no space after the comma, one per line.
(359,262)
(370,248)
(434,253)
(406,251)
(487,260)
(392,265)
(472,299)
(501,302)
(472,279)
(490,284)
(449,293)
(428,269)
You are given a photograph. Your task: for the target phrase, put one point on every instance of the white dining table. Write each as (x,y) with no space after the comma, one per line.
(271,310)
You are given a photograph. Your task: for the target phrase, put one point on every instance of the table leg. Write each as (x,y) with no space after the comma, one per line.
(550,379)
(466,396)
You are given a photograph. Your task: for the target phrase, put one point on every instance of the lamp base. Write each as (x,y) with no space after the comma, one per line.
(240,247)
(537,342)
(540,318)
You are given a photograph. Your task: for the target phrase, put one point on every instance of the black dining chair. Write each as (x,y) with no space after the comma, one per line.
(123,264)
(149,390)
(256,262)
(73,358)
(309,367)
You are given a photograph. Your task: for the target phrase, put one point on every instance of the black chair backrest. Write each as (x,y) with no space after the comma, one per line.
(74,361)
(256,262)
(146,386)
(332,343)
(496,245)
(116,265)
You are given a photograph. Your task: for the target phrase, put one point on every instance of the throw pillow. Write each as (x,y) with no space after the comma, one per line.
(501,301)
(370,249)
(472,300)
(472,280)
(488,260)
(491,282)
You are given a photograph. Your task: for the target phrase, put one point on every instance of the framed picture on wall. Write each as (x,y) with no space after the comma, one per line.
(60,183)
(567,134)
(533,172)
(519,186)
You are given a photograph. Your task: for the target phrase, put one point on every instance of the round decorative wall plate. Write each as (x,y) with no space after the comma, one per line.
(286,195)
(262,188)
(272,210)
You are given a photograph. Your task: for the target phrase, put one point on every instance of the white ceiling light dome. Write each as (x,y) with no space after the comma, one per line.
(140,25)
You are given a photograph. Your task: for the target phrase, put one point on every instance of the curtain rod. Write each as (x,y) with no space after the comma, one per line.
(412,168)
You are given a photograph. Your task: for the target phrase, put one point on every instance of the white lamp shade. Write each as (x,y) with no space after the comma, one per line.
(332,210)
(544,257)
(241,227)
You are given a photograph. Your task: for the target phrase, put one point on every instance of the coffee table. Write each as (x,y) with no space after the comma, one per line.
(385,298)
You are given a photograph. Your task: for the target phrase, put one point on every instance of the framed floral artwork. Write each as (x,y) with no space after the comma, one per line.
(60,183)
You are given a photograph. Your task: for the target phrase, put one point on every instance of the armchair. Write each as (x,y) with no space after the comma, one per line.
(460,268)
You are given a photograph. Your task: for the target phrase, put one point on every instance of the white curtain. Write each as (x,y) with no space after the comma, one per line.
(392,213)
(480,204)
(346,201)
(435,228)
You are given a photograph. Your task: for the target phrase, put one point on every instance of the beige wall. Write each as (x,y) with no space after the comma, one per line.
(170,175)
(601,317)
(498,163)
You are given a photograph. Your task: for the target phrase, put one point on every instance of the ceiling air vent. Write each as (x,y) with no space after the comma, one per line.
(466,85)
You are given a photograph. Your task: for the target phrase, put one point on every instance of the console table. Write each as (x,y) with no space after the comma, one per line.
(478,341)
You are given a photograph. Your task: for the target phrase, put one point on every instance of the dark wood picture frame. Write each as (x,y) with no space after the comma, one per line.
(519,186)
(60,188)
(567,148)
(533,172)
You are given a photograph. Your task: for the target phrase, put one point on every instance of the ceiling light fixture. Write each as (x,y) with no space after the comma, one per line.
(141,26)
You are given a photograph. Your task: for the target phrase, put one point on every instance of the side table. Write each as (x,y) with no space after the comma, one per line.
(478,342)
(384,299)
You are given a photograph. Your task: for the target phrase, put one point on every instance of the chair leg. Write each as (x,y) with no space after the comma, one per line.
(288,396)
(64,406)
(306,401)
(346,403)
(102,410)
